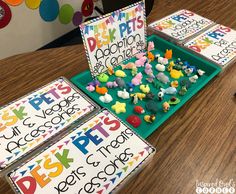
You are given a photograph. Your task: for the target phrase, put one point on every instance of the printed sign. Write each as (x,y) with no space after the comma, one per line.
(94,158)
(33,119)
(217,44)
(115,37)
(181,24)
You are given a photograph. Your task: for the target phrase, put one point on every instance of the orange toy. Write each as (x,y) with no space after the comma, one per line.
(168,54)
(102,90)
(151,56)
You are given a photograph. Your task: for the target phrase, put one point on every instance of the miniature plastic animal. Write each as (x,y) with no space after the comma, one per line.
(150,78)
(150,96)
(165,106)
(169,90)
(150,56)
(151,106)
(103,77)
(151,46)
(123,94)
(94,83)
(130,86)
(183,91)
(140,96)
(139,109)
(162,60)
(120,82)
(200,72)
(160,67)
(134,71)
(112,84)
(110,70)
(162,78)
(144,88)
(137,80)
(148,69)
(102,90)
(149,118)
(90,88)
(176,74)
(140,62)
(107,98)
(120,73)
(168,54)
(129,65)
(193,79)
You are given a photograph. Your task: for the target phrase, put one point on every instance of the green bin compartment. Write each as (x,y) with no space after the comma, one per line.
(145,129)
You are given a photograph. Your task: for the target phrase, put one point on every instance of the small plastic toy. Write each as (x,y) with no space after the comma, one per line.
(123,94)
(129,65)
(134,120)
(110,70)
(185,82)
(134,98)
(160,67)
(168,54)
(200,72)
(174,83)
(150,96)
(162,60)
(150,78)
(94,83)
(165,106)
(144,88)
(183,91)
(119,107)
(134,71)
(112,84)
(176,74)
(171,66)
(169,90)
(188,71)
(140,55)
(193,79)
(186,65)
(149,118)
(90,88)
(120,82)
(157,84)
(174,100)
(103,77)
(139,109)
(160,95)
(130,86)
(151,106)
(137,80)
(151,46)
(102,90)
(140,62)
(148,69)
(120,73)
(150,56)
(107,98)
(140,96)
(162,78)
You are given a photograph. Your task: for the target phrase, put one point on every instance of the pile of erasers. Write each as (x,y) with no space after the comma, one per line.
(160,81)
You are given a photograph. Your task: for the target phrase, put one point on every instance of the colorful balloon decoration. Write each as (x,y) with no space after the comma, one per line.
(49,10)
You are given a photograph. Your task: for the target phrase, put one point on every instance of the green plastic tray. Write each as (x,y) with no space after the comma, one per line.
(145,129)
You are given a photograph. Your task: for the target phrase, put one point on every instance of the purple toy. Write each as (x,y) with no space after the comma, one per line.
(90,88)
(148,69)
(137,80)
(112,84)
(150,78)
(94,83)
(140,62)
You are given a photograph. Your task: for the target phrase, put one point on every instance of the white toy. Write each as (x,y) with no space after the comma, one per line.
(123,94)
(200,72)
(160,67)
(193,79)
(162,60)
(169,90)
(107,98)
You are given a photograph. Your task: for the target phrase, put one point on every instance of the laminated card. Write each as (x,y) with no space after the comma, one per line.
(114,37)
(35,118)
(180,25)
(217,44)
(97,157)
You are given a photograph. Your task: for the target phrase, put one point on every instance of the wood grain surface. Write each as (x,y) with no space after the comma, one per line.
(196,144)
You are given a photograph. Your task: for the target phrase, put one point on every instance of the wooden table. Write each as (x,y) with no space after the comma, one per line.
(196,143)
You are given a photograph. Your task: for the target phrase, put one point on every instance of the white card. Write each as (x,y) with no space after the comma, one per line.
(217,44)
(33,119)
(181,24)
(95,158)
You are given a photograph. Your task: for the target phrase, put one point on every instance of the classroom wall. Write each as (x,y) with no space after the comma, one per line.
(27,31)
